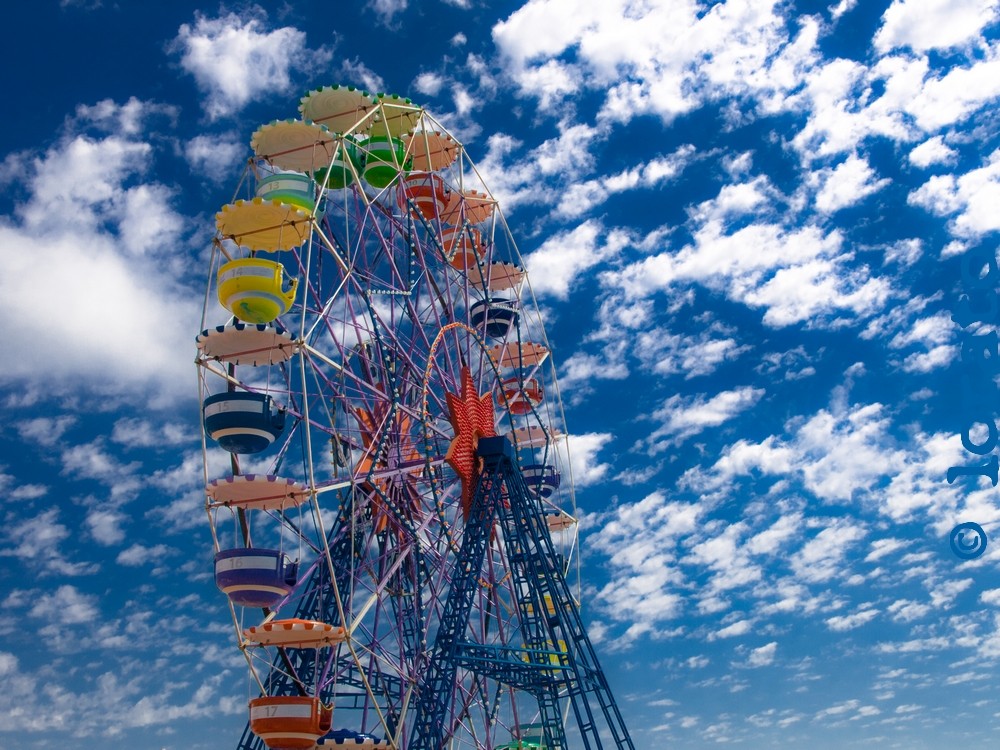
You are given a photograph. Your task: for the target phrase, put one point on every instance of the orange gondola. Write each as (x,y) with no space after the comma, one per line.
(289,722)
(520,397)
(424,195)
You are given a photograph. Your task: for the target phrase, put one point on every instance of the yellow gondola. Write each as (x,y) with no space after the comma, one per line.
(254,289)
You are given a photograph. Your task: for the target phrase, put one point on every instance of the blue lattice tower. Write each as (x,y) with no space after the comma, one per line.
(549,617)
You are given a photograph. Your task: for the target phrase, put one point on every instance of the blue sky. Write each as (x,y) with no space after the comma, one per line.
(744,225)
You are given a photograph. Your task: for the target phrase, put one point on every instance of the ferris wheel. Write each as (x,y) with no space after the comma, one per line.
(367,322)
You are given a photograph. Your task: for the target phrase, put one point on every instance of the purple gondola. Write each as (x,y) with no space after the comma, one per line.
(498,316)
(254,577)
(542,479)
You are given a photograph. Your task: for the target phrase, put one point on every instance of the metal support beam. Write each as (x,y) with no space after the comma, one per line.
(559,663)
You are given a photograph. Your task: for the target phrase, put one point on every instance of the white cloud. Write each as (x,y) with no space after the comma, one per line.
(510,174)
(127,119)
(576,199)
(847,184)
(736,200)
(135,432)
(147,221)
(956,95)
(843,110)
(729,560)
(28,492)
(105,525)
(387,9)
(932,151)
(795,274)
(652,544)
(66,605)
(943,594)
(580,369)
(539,176)
(93,461)
(938,195)
(137,555)
(214,156)
(841,623)
(8,664)
(763,656)
(568,154)
(640,540)
(740,627)
(583,452)
(46,431)
(844,452)
(882,547)
(844,6)
(971,198)
(563,257)
(934,334)
(899,317)
(114,697)
(540,29)
(235,60)
(464,101)
(822,558)
(40,538)
(775,539)
(429,84)
(788,596)
(695,356)
(661,58)
(838,708)
(842,455)
(550,83)
(669,59)
(905,610)
(904,252)
(682,417)
(924,25)
(635,475)
(80,180)
(93,229)
(791,364)
(618,314)
(355,70)
(770,457)
(655,548)
(939,356)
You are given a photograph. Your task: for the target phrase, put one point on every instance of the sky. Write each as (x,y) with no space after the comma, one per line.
(748,225)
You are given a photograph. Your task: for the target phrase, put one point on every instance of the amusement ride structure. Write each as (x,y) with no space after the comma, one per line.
(393,517)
